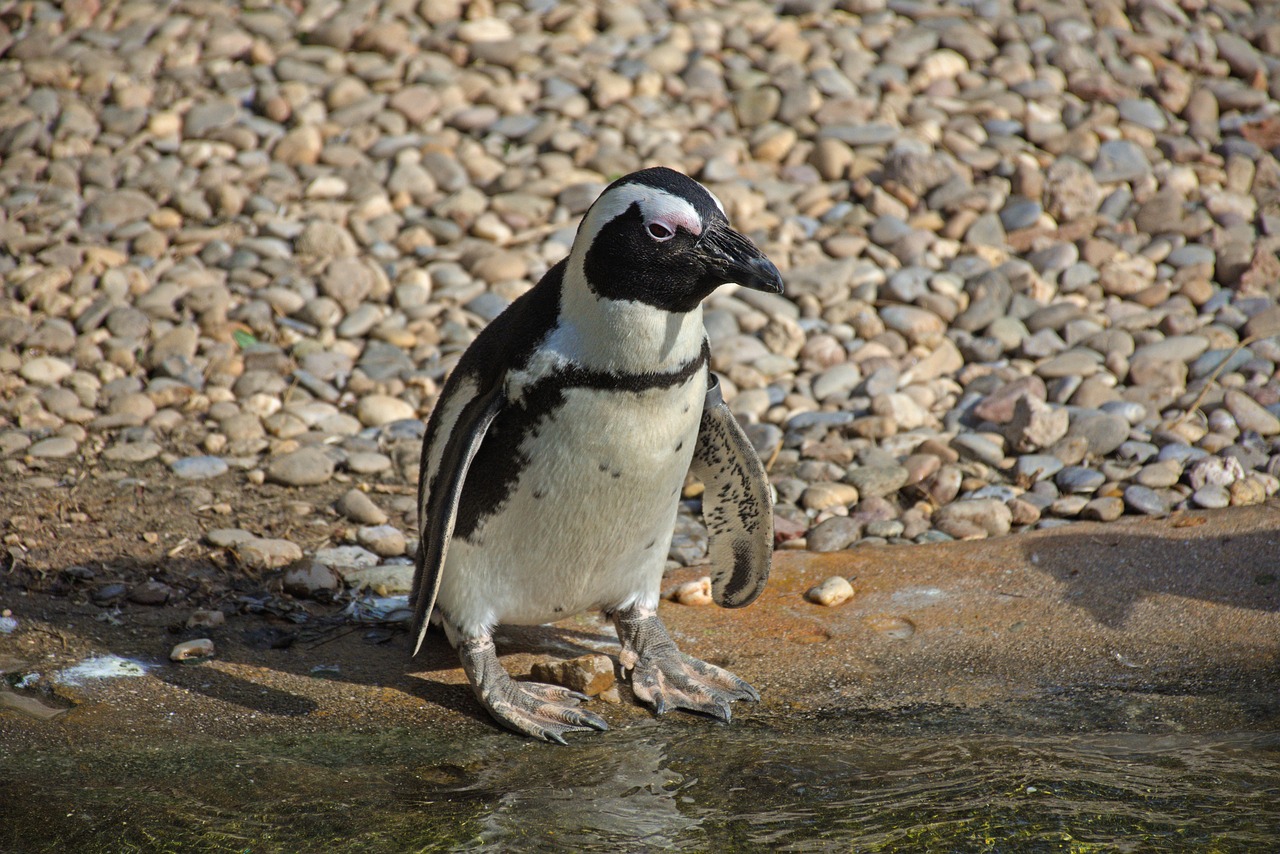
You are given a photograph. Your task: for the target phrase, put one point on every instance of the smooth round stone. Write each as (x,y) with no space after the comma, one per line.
(765,438)
(974,518)
(198,468)
(359,507)
(1211,497)
(228,538)
(1184,454)
(45,370)
(1104,509)
(1176,348)
(886,528)
(916,324)
(132,452)
(1075,479)
(979,448)
(368,462)
(412,429)
(1037,466)
(1143,111)
(934,536)
(53,448)
(999,491)
(805,420)
(1069,505)
(876,479)
(1191,255)
(311,580)
(382,540)
(1073,363)
(835,590)
(374,410)
(837,380)
(1104,432)
(1251,415)
(825,495)
(346,556)
(1120,160)
(1213,360)
(834,534)
(1159,475)
(1142,499)
(1130,411)
(150,592)
(1020,213)
(266,553)
(1138,452)
(304,467)
(192,650)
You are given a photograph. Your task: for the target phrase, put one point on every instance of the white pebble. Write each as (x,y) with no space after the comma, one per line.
(836,590)
(694,592)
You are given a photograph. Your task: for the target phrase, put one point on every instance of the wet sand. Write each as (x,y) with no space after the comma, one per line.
(1186,607)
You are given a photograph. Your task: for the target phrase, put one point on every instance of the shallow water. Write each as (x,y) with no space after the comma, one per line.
(1109,773)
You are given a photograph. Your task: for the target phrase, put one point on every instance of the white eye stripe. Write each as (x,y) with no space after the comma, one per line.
(655,206)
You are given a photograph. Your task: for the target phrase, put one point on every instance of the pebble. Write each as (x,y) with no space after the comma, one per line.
(1251,415)
(1211,497)
(834,534)
(974,519)
(382,540)
(150,592)
(344,557)
(262,553)
(383,579)
(46,370)
(835,590)
(311,580)
(54,448)
(359,507)
(1142,499)
(304,467)
(592,675)
(695,593)
(825,495)
(1005,296)
(1105,509)
(199,468)
(192,650)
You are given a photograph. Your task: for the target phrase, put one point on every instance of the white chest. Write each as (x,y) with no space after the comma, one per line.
(588,523)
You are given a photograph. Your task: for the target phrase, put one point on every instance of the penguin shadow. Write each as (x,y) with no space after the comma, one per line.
(1108,571)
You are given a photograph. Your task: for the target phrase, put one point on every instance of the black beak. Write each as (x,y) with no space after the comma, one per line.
(730,257)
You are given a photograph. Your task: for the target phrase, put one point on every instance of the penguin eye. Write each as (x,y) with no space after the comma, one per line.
(660,231)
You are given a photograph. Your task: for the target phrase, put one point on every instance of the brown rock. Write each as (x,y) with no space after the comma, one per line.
(588,674)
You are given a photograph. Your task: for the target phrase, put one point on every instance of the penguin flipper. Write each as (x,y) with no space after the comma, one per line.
(440,490)
(737,505)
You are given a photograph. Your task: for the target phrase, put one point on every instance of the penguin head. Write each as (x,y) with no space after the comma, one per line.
(660,238)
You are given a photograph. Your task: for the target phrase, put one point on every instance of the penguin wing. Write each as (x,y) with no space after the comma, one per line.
(458,425)
(737,504)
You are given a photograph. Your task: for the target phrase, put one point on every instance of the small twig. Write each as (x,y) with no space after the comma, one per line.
(1213,378)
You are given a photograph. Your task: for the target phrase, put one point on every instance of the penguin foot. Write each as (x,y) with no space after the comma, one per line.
(664,677)
(531,708)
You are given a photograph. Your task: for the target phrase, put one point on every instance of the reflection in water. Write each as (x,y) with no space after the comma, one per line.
(928,780)
(594,793)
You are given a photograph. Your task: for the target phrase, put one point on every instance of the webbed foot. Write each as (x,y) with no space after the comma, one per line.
(531,708)
(664,677)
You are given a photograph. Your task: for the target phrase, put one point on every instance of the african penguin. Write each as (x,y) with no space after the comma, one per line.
(554,458)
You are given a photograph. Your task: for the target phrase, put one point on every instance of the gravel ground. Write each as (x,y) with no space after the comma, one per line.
(1030,250)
